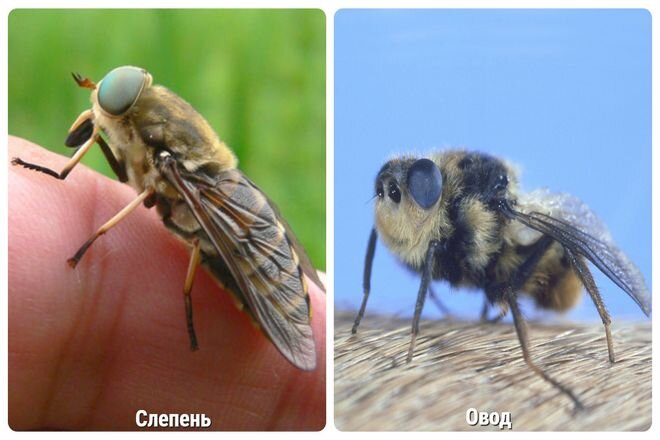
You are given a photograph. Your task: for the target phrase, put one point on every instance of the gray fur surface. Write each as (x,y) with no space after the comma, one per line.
(460,365)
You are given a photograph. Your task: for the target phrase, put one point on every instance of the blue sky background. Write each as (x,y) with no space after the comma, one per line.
(564,94)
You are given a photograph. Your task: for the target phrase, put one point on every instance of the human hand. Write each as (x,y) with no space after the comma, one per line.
(89,347)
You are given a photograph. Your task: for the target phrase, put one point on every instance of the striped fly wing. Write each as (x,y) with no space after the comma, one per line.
(305,262)
(249,236)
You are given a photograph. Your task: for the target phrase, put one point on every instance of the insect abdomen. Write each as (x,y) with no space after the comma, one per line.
(554,285)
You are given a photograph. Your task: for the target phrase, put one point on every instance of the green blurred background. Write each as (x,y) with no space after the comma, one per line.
(258,76)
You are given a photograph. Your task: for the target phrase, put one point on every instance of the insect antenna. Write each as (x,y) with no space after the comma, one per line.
(83,82)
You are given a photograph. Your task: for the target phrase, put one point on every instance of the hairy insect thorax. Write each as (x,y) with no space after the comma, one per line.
(160,120)
(470,250)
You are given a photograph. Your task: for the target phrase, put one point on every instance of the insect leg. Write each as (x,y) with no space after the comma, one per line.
(438,302)
(526,269)
(73,261)
(81,130)
(587,280)
(521,329)
(366,283)
(495,292)
(510,294)
(484,311)
(195,257)
(503,310)
(118,167)
(427,274)
(68,167)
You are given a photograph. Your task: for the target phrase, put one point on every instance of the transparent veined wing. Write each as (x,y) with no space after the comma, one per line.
(247,233)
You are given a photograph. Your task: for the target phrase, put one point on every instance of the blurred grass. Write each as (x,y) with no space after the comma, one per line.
(258,76)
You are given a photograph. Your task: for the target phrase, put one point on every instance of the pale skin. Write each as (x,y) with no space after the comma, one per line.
(90,346)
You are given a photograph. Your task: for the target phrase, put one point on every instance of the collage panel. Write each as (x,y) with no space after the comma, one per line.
(486,178)
(488,165)
(215,120)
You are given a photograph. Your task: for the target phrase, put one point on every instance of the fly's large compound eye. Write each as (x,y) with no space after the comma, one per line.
(120,89)
(424,183)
